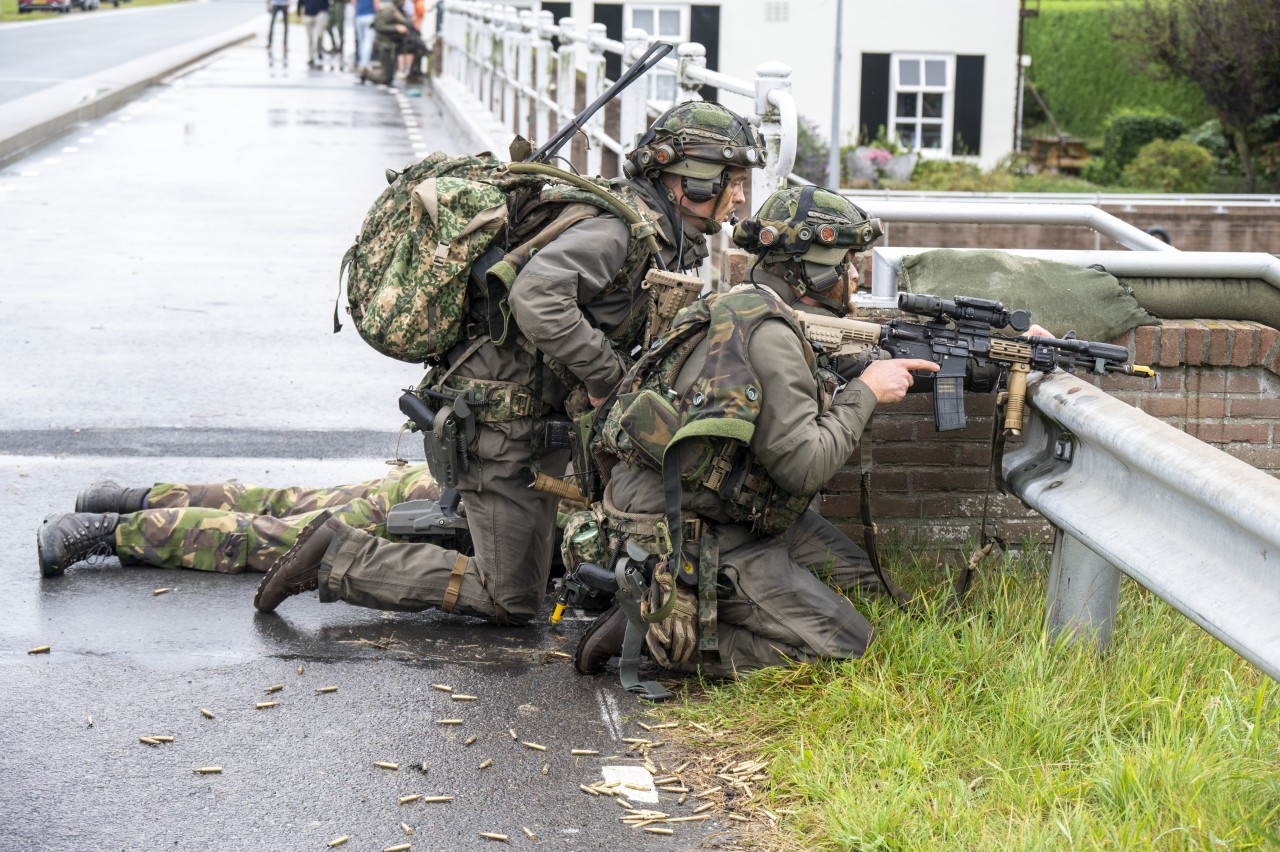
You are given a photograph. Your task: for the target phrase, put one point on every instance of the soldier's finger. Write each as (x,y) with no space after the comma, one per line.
(917,364)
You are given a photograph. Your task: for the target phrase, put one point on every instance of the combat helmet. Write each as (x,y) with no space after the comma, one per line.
(805,234)
(700,141)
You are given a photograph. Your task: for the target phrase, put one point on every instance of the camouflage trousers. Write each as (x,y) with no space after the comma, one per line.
(228,527)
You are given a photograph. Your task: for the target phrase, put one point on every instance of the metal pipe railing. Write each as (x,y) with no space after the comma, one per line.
(886,266)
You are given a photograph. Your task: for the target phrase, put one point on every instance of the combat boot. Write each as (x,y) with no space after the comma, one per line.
(110,497)
(602,641)
(67,538)
(298,569)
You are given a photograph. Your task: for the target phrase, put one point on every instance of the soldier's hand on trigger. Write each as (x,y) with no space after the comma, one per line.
(889,379)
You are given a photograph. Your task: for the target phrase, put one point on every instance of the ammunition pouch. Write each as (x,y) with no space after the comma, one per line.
(585,550)
(752,497)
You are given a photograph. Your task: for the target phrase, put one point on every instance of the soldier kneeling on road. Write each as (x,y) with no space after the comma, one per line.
(724,432)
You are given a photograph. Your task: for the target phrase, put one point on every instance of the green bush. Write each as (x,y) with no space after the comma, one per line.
(812,150)
(954,176)
(1128,131)
(1084,75)
(1095,170)
(1176,165)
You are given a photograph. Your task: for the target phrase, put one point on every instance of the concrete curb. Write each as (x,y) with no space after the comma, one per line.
(31,120)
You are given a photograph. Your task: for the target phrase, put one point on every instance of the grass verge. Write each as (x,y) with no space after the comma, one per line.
(977,731)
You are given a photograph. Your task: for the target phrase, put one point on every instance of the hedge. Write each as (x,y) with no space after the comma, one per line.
(1085,76)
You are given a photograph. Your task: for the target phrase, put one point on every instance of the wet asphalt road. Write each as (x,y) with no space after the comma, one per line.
(166,294)
(38,54)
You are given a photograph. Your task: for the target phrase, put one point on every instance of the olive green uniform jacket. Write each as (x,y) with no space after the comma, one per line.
(778,598)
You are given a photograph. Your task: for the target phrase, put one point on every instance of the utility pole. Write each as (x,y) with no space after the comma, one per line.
(833,160)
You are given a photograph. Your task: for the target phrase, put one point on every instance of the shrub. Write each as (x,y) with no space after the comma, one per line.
(812,151)
(1095,171)
(1128,131)
(1176,165)
(1083,72)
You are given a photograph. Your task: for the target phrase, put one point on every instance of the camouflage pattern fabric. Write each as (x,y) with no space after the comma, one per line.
(410,265)
(228,527)
(721,405)
(832,227)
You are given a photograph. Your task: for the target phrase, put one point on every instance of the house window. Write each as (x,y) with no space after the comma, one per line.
(668,22)
(921,104)
(777,12)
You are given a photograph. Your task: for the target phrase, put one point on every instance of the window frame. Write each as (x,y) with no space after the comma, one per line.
(686,18)
(948,91)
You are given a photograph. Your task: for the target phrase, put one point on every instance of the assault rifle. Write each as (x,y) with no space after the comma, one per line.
(959,333)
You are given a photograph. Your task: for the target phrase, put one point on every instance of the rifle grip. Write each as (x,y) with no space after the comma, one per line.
(1017,399)
(948,403)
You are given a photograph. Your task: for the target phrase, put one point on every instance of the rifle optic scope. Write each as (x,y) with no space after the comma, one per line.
(967,309)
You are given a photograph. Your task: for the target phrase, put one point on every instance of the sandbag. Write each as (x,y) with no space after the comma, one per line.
(1061,297)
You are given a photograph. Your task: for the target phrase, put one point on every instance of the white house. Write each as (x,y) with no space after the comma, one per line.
(940,75)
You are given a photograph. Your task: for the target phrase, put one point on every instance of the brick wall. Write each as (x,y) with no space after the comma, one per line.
(1219,381)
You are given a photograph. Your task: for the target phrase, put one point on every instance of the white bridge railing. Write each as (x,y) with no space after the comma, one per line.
(508,60)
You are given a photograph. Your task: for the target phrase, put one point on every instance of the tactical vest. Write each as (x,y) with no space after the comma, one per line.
(711,424)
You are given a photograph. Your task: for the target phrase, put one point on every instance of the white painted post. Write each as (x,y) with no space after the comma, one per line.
(566,76)
(510,73)
(596,35)
(770,76)
(524,73)
(634,111)
(543,74)
(690,55)
(484,40)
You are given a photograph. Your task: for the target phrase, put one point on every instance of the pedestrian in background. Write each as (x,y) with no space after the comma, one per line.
(281,8)
(365,10)
(338,30)
(315,14)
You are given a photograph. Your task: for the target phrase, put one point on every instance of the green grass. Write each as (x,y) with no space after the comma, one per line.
(9,9)
(976,731)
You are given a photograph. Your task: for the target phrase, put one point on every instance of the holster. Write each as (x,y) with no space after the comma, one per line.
(446,444)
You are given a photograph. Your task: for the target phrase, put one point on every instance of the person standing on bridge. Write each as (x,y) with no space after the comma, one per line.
(224,527)
(574,307)
(278,8)
(316,17)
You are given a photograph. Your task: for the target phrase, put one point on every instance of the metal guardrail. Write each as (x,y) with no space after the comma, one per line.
(1130,494)
(507,59)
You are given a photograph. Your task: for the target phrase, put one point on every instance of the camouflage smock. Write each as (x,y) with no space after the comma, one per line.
(798,444)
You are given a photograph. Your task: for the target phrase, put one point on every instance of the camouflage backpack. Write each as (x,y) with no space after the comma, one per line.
(409,271)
